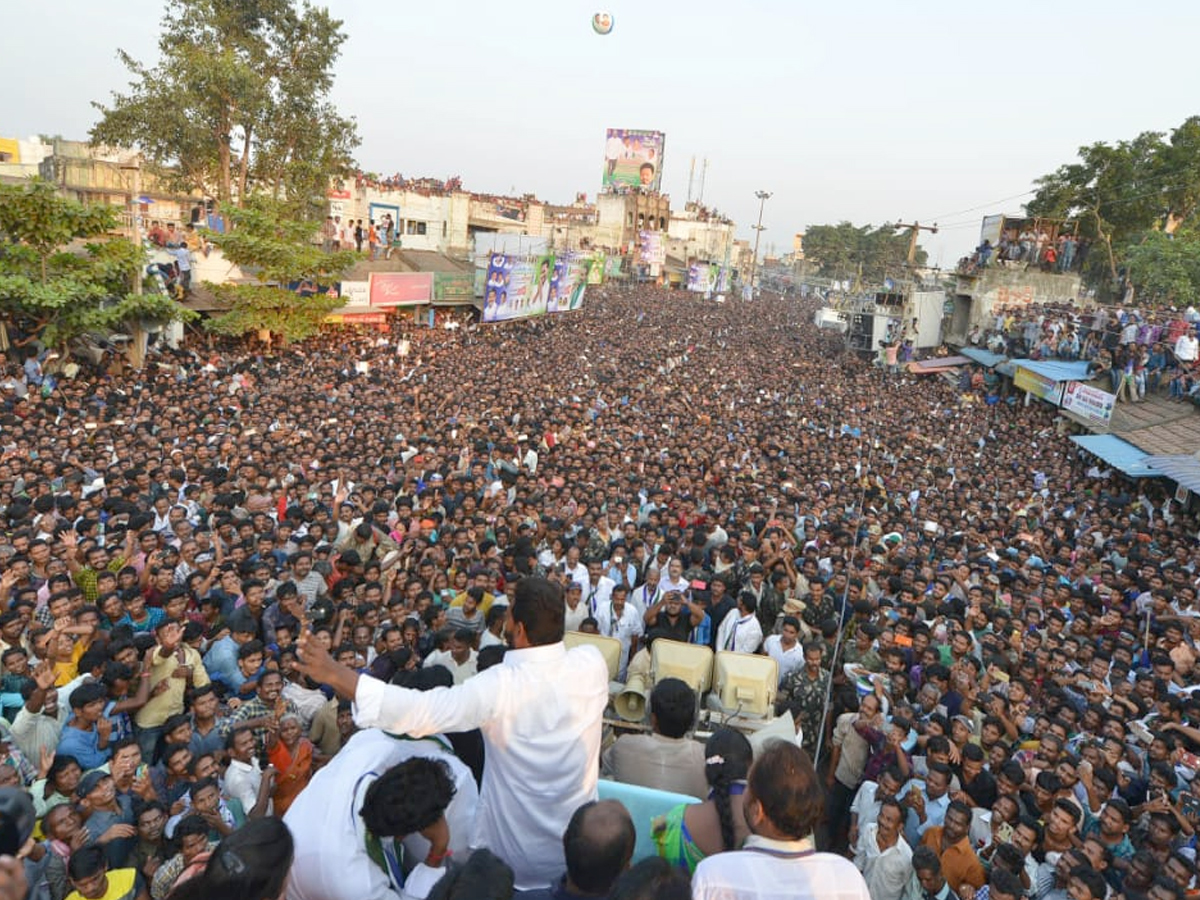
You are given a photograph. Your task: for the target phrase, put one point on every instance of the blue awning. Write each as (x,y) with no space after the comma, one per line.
(1055,369)
(983,357)
(1117,453)
(1182,469)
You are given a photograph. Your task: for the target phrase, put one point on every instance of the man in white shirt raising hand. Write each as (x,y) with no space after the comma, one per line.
(540,713)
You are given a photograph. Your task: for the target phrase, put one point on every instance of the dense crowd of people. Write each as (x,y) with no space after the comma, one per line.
(1137,350)
(284,624)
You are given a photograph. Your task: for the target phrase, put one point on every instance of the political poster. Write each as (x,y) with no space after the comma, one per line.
(633,159)
(595,271)
(1039,385)
(704,278)
(1090,404)
(521,287)
(651,249)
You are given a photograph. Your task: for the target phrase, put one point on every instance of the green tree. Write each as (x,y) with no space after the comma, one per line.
(1115,191)
(238,102)
(1165,267)
(62,272)
(278,250)
(845,250)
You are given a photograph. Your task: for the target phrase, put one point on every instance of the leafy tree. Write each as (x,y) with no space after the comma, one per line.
(846,250)
(1165,267)
(61,271)
(238,102)
(1114,190)
(279,250)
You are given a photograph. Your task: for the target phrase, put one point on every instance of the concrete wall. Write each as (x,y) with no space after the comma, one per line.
(1001,288)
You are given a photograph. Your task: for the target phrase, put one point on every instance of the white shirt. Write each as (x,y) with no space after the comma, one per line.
(540,712)
(331,861)
(757,873)
(241,783)
(788,660)
(579,575)
(623,627)
(665,584)
(598,594)
(645,597)
(1186,348)
(865,805)
(886,872)
(741,634)
(461,672)
(574,617)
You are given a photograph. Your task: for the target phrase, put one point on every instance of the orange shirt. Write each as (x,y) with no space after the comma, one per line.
(960,864)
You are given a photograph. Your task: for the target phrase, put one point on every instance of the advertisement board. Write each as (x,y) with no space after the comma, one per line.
(521,287)
(651,249)
(356,293)
(633,159)
(401,288)
(1038,385)
(595,270)
(1090,404)
(453,288)
(704,278)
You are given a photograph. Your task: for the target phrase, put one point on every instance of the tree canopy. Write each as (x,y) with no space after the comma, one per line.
(62,272)
(279,251)
(840,250)
(1125,192)
(238,102)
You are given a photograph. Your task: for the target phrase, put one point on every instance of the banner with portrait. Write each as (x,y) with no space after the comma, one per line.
(633,159)
(522,287)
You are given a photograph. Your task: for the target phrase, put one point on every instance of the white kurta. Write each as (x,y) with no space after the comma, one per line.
(772,870)
(540,713)
(331,860)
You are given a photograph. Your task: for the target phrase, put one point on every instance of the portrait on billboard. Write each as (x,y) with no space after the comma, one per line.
(633,159)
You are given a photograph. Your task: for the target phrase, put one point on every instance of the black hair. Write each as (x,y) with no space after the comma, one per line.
(190,824)
(538,605)
(785,784)
(408,797)
(673,705)
(251,863)
(728,755)
(598,845)
(924,859)
(1003,881)
(1095,882)
(652,879)
(86,862)
(484,876)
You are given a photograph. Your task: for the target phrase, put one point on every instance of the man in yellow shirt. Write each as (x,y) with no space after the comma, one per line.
(174,663)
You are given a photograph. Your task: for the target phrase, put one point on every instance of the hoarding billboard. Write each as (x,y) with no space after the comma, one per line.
(633,158)
(1039,385)
(521,287)
(401,288)
(1091,404)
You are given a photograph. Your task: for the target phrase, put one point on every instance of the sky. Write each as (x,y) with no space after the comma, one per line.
(869,111)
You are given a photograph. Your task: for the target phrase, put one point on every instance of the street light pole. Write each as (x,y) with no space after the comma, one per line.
(763,197)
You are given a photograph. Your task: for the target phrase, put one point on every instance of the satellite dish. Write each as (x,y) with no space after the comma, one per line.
(602,23)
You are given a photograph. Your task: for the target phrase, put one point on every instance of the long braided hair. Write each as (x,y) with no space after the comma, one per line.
(728,755)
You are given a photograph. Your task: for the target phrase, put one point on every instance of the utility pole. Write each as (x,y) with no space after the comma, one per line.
(763,197)
(913,231)
(137,349)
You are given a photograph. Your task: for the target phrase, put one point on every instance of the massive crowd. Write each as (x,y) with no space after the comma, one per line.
(240,587)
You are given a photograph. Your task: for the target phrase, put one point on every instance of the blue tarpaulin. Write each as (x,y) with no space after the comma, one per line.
(1055,369)
(1182,469)
(1117,453)
(983,357)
